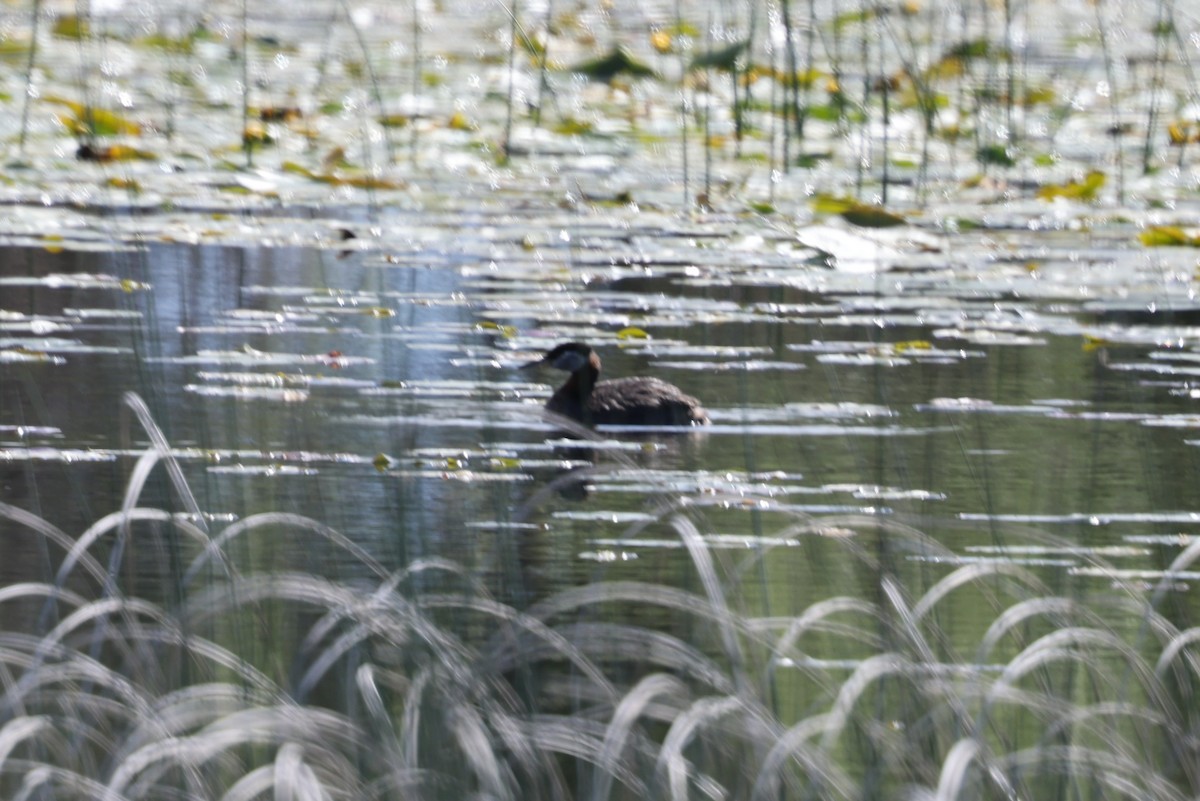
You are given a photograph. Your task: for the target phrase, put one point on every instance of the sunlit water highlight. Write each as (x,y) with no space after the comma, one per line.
(938,542)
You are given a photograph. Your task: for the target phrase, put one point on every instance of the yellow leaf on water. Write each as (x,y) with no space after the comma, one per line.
(71,26)
(86,120)
(1167,236)
(460,122)
(1085,189)
(297,169)
(828,204)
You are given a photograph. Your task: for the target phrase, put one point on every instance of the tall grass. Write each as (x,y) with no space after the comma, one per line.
(412,681)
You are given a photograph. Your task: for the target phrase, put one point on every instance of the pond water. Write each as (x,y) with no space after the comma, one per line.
(379,392)
(282,513)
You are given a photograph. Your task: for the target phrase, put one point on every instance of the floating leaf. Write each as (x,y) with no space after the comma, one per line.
(1168,236)
(280,114)
(723,59)
(829,204)
(998,155)
(1039,96)
(872,216)
(168,43)
(1075,190)
(71,26)
(572,126)
(506,331)
(358,180)
(88,121)
(505,463)
(460,122)
(1182,133)
(297,169)
(616,62)
(842,21)
(104,155)
(256,135)
(361,181)
(13,48)
(953,63)
(531,45)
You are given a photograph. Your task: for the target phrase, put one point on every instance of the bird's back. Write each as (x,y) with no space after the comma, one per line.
(643,401)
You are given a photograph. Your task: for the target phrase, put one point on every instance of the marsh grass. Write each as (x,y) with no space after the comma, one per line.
(242,678)
(890,96)
(245,672)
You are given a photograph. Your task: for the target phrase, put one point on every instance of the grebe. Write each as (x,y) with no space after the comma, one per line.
(639,401)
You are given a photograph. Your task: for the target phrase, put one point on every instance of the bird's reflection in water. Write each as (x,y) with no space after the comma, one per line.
(583,453)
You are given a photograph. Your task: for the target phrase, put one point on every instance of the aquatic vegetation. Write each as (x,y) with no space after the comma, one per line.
(417,681)
(938,542)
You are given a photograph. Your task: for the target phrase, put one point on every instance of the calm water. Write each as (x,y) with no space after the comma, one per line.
(923,545)
(374,392)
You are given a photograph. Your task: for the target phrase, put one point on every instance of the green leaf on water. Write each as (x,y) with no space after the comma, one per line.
(842,21)
(616,62)
(856,213)
(997,155)
(723,59)
(872,216)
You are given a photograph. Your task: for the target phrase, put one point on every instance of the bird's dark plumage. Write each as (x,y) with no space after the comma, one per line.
(639,401)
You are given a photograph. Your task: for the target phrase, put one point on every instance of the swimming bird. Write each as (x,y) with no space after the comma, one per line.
(639,401)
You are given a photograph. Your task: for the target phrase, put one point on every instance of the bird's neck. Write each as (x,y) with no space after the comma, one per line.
(583,380)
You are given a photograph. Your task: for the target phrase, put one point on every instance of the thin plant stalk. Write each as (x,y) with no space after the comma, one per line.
(35,24)
(514,30)
(247,140)
(791,110)
(376,92)
(885,92)
(83,22)
(683,108)
(1161,21)
(543,71)
(413,129)
(1110,74)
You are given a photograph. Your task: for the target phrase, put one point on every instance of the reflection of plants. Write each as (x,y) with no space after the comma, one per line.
(242,680)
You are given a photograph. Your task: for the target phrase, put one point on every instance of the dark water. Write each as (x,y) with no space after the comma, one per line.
(885,492)
(1043,437)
